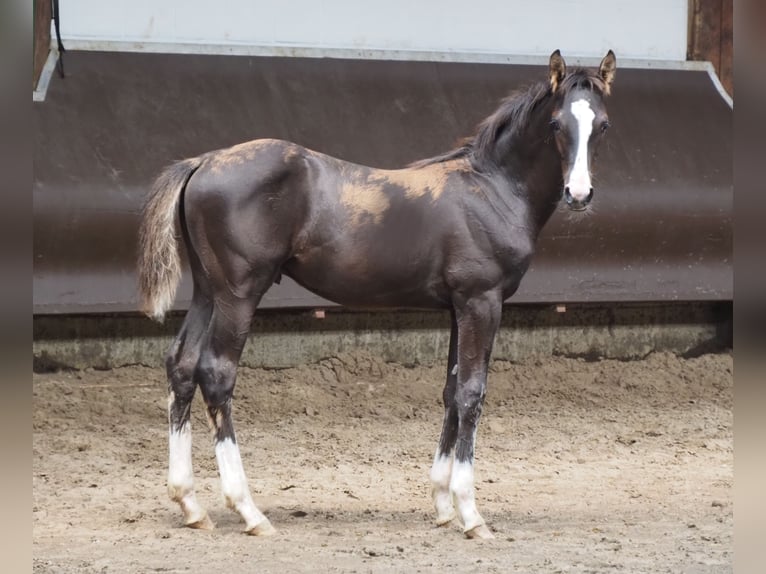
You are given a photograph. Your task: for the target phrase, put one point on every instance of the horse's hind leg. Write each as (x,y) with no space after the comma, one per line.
(180,362)
(441,471)
(216,375)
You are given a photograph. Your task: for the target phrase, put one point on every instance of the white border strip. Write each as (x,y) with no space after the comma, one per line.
(298,51)
(718,85)
(38,95)
(308,51)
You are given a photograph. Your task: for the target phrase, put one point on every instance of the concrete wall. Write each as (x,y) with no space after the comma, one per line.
(651,29)
(287,338)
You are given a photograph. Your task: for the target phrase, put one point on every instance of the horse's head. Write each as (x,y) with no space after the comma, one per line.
(579,120)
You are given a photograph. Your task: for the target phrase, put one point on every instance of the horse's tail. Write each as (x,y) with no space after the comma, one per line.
(159,264)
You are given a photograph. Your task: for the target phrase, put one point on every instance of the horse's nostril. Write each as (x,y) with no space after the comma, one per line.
(590,195)
(568,195)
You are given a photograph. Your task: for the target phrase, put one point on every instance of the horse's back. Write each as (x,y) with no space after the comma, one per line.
(246,163)
(382,237)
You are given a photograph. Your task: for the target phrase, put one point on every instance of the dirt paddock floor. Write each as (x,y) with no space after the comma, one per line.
(581,467)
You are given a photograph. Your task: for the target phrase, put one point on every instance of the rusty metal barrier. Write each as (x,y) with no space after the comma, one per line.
(661,231)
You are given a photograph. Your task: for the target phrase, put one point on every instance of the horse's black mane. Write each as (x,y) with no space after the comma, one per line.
(513,113)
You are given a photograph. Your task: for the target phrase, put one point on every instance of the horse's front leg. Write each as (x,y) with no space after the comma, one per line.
(441,470)
(477,321)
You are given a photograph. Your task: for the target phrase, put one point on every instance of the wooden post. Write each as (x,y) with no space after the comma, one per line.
(711,37)
(42,38)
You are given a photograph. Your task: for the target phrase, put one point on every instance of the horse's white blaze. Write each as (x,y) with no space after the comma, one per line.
(579,177)
(441,472)
(234,483)
(180,474)
(461,486)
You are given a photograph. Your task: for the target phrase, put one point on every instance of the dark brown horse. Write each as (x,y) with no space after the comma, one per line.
(453,232)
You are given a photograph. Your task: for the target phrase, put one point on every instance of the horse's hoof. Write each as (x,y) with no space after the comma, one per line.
(480,531)
(445,520)
(203,523)
(262,529)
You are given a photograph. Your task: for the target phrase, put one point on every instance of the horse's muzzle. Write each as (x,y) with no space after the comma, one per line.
(577,204)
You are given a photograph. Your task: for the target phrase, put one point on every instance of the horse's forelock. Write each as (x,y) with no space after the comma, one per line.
(583,79)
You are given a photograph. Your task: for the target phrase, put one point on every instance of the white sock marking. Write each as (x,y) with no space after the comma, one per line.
(461,486)
(181,474)
(234,483)
(441,472)
(579,178)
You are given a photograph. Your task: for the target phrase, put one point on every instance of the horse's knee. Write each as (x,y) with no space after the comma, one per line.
(470,399)
(216,379)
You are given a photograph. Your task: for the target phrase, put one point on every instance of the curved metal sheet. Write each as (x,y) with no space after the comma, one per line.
(661,231)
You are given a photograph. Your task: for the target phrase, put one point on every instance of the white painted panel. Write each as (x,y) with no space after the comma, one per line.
(650,29)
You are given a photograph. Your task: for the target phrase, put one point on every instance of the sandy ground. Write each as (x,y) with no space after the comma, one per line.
(581,467)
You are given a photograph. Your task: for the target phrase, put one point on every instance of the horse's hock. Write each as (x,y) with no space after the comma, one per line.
(650,269)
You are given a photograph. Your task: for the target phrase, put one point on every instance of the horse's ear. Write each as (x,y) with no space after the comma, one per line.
(557,69)
(607,69)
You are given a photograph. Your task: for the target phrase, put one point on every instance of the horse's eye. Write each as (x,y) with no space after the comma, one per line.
(605,125)
(555,125)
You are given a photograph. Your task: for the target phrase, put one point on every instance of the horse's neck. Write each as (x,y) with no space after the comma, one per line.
(532,166)
(545,196)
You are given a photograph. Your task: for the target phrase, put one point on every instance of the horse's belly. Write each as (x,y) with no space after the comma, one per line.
(368,283)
